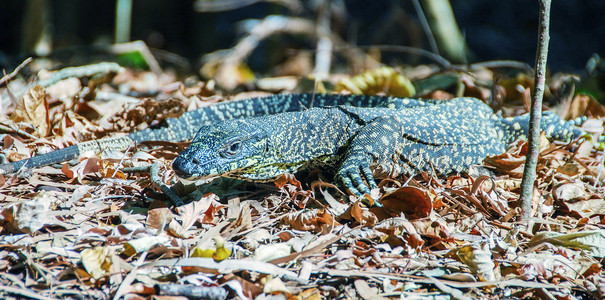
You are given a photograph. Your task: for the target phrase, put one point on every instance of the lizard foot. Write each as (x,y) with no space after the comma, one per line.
(358,180)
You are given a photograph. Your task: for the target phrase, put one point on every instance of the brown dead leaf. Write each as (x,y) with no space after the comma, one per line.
(584,208)
(188,214)
(414,203)
(210,213)
(310,294)
(159,217)
(570,169)
(363,250)
(507,163)
(363,216)
(108,170)
(585,105)
(33,109)
(67,171)
(592,270)
(18,150)
(250,289)
(74,128)
(401,232)
(85,167)
(65,90)
(289,185)
(436,229)
(7,142)
(145,243)
(315,220)
(284,179)
(570,192)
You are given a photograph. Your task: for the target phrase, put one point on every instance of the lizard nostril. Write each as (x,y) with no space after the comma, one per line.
(195,161)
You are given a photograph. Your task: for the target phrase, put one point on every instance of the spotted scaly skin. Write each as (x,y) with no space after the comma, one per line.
(358,144)
(183,128)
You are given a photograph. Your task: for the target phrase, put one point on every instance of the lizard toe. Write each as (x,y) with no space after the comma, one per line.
(369,177)
(360,184)
(344,180)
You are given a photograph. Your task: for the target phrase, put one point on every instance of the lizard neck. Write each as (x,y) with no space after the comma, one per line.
(302,140)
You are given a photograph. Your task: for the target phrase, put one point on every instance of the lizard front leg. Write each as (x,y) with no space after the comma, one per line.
(371,145)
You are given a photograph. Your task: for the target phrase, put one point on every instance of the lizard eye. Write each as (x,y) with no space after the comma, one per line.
(233,148)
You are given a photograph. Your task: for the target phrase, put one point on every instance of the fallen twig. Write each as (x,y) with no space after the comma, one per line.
(228,265)
(14,73)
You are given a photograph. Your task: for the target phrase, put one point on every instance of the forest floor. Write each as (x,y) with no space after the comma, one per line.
(89,230)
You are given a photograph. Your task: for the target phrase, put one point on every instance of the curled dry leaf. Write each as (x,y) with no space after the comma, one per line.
(584,208)
(585,105)
(315,220)
(142,113)
(381,80)
(478,258)
(189,213)
(571,192)
(288,184)
(159,217)
(33,109)
(359,214)
(414,203)
(507,163)
(145,243)
(85,167)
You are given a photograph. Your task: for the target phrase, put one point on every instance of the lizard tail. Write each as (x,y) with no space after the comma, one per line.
(57,156)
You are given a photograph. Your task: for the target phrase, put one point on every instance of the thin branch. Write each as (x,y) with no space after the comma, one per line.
(425,26)
(440,60)
(14,73)
(531,160)
(323,57)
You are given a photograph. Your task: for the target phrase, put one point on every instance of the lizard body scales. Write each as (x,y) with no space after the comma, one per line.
(356,143)
(353,136)
(184,127)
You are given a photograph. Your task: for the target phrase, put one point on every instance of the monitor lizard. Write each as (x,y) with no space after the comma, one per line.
(353,136)
(183,128)
(358,143)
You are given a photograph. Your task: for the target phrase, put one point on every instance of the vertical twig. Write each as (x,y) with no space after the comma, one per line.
(426,27)
(323,57)
(445,29)
(123,20)
(531,160)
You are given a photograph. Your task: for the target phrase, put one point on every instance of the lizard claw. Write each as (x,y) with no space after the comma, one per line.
(352,180)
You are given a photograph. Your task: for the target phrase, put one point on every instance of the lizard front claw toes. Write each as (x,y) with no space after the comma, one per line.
(352,180)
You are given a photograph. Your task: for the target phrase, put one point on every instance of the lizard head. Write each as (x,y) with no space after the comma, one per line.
(221,149)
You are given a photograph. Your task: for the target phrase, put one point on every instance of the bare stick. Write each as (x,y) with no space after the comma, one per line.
(425,26)
(531,160)
(14,73)
(323,57)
